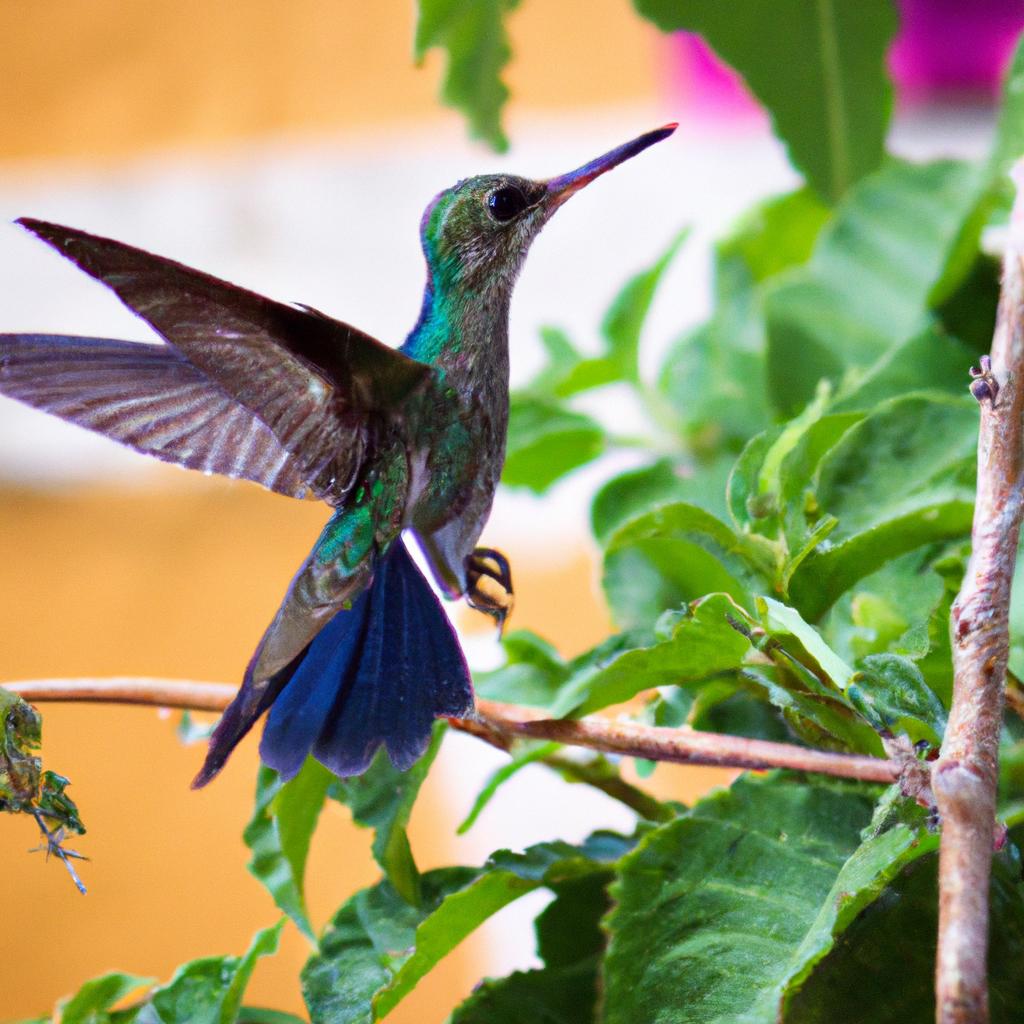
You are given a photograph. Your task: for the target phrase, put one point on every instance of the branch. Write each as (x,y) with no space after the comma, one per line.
(965,776)
(498,724)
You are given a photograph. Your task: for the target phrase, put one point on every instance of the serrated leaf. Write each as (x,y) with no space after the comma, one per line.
(900,478)
(818,66)
(870,281)
(92,1003)
(675,554)
(474,37)
(721,913)
(546,441)
(210,990)
(279,834)
(382,798)
(378,946)
(891,694)
(702,643)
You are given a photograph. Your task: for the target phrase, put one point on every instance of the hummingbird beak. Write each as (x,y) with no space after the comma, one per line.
(557,190)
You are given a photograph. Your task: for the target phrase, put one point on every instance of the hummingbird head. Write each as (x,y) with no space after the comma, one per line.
(477,233)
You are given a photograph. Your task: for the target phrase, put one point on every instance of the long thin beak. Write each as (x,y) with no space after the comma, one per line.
(559,189)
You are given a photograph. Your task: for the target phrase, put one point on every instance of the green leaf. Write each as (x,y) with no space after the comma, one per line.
(715,384)
(675,554)
(568,372)
(558,995)
(891,694)
(530,753)
(546,441)
(532,674)
(1009,138)
(603,774)
(279,835)
(888,611)
(565,990)
(929,361)
(900,478)
(258,1015)
(775,235)
(750,508)
(625,318)
(730,706)
(803,518)
(720,914)
(382,798)
(378,946)
(803,643)
(869,283)
(562,360)
(92,1003)
(808,682)
(473,34)
(903,452)
(714,376)
(701,643)
(874,975)
(818,66)
(210,990)
(634,492)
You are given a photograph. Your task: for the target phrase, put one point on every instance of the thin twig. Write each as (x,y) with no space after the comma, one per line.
(54,843)
(498,723)
(964,778)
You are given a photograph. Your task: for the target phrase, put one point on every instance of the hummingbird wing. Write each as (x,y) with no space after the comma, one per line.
(149,398)
(314,381)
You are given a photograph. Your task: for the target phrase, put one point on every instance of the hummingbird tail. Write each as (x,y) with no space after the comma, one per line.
(378,673)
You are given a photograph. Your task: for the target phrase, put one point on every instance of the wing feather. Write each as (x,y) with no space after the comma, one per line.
(314,381)
(149,398)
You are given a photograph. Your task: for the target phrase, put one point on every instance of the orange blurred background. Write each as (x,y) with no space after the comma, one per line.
(123,567)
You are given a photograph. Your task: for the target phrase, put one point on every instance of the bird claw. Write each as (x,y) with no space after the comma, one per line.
(489,589)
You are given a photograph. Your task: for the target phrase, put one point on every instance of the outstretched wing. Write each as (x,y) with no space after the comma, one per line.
(312,380)
(149,398)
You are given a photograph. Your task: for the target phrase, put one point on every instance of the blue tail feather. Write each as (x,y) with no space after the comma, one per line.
(376,674)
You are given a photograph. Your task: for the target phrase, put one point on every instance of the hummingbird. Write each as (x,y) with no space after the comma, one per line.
(405,442)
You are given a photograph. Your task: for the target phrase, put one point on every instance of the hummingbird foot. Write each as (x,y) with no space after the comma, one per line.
(489,590)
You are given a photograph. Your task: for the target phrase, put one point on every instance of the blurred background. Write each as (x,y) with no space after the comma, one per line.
(290,146)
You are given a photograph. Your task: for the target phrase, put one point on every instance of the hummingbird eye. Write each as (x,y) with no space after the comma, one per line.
(506,202)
